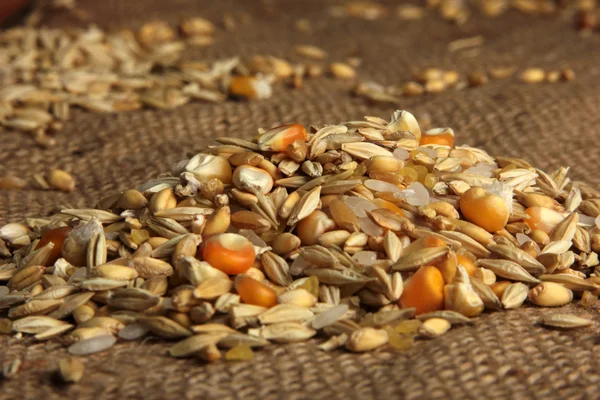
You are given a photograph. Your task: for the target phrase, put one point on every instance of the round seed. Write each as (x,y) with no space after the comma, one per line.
(229,252)
(253,292)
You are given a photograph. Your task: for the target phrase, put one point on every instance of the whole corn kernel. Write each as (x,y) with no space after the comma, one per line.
(207,166)
(439,136)
(249,178)
(278,138)
(250,87)
(229,252)
(424,291)
(56,236)
(484,209)
(252,291)
(542,218)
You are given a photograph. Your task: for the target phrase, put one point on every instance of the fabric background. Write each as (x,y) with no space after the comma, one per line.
(502,355)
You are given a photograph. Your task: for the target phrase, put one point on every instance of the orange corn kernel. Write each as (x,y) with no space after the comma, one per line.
(56,236)
(312,227)
(484,209)
(542,218)
(499,287)
(467,263)
(249,87)
(252,291)
(278,138)
(440,136)
(424,291)
(381,203)
(229,252)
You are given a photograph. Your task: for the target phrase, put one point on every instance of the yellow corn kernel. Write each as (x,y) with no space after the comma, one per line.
(542,218)
(424,290)
(440,136)
(484,209)
(250,87)
(254,292)
(278,138)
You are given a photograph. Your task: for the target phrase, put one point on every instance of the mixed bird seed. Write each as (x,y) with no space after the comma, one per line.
(364,234)
(48,72)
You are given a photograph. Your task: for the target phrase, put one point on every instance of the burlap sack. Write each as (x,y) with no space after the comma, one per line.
(504,355)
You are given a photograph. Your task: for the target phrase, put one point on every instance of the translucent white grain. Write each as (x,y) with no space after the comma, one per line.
(522,238)
(481,169)
(369,227)
(381,186)
(415,194)
(365,258)
(330,316)
(360,206)
(92,345)
(252,237)
(430,152)
(401,154)
(299,265)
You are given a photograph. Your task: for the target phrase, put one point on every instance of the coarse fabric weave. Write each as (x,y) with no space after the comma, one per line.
(503,355)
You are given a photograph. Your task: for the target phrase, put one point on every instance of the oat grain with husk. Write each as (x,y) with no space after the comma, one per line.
(365,234)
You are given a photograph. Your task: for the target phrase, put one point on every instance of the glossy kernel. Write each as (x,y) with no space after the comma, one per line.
(252,291)
(484,209)
(543,219)
(467,263)
(278,138)
(56,236)
(439,136)
(229,252)
(424,291)
(250,87)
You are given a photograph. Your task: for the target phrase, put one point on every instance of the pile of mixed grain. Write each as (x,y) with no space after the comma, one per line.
(364,235)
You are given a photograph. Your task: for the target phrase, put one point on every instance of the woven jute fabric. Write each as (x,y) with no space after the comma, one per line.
(503,355)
